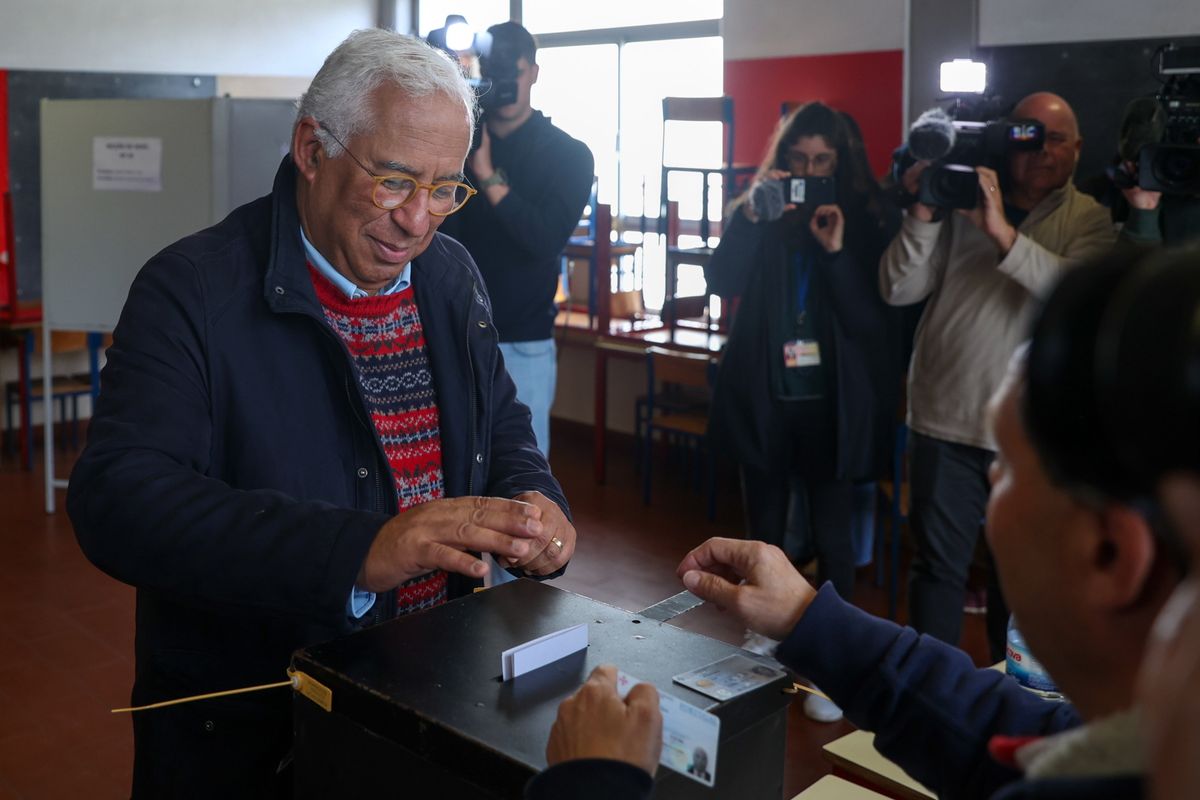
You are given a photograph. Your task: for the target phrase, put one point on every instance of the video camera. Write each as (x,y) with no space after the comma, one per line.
(956,147)
(497,85)
(1162,134)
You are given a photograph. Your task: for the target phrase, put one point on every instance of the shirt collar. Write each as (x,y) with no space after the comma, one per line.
(344,284)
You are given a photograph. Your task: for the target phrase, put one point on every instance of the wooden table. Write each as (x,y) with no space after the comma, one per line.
(832,787)
(854,756)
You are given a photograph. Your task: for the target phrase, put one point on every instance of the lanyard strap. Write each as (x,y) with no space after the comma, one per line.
(803,267)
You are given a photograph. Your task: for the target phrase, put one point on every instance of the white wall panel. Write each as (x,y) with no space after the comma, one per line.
(773,28)
(248,37)
(1004,22)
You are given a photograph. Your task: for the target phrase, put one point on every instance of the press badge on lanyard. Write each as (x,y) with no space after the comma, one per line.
(802,352)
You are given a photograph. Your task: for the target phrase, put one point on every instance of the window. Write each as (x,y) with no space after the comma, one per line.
(480,14)
(546,16)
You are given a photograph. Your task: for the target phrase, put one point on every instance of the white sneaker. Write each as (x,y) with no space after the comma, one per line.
(822,710)
(759,644)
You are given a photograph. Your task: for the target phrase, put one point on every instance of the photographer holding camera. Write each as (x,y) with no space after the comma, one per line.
(808,386)
(980,269)
(535,180)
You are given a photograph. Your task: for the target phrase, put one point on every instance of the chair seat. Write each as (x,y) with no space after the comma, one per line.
(692,423)
(61,386)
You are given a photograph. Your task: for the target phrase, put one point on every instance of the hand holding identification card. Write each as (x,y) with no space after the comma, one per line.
(690,734)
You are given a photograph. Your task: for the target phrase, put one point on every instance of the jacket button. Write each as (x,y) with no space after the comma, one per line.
(482,323)
(208,725)
(278,290)
(363,472)
(479,458)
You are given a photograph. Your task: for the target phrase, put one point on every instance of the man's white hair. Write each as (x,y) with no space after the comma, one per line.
(339,97)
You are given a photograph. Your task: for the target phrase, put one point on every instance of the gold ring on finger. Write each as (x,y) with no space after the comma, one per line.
(557,542)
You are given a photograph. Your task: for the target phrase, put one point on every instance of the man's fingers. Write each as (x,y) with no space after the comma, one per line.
(739,555)
(643,698)
(605,674)
(712,588)
(451,560)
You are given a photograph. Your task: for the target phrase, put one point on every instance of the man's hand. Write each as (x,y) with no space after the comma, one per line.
(752,579)
(988,216)
(596,723)
(827,226)
(554,546)
(748,209)
(438,534)
(911,180)
(480,158)
(1136,196)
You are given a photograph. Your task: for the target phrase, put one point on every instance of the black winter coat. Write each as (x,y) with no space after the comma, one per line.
(233,476)
(747,421)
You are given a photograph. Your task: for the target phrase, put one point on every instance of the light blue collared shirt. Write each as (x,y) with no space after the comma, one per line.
(360,602)
(402,281)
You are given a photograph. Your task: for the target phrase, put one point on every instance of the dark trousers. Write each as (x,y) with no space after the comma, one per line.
(770,501)
(949,499)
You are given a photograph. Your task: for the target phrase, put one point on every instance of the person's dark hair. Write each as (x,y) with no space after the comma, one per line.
(1112,395)
(856,186)
(516,39)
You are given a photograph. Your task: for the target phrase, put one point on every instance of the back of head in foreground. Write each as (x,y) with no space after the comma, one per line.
(1106,398)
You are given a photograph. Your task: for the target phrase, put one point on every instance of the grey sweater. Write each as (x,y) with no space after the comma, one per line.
(979,303)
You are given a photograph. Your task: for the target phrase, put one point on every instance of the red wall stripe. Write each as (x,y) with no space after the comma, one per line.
(867,85)
(4,298)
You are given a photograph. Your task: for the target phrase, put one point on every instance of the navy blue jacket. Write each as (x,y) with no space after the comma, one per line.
(232,475)
(932,712)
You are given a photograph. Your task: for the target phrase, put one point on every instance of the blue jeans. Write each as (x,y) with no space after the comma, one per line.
(533,367)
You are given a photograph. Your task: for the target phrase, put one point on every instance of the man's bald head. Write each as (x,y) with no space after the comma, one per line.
(1040,105)
(1036,174)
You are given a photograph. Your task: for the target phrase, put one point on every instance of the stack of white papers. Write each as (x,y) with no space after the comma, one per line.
(541,651)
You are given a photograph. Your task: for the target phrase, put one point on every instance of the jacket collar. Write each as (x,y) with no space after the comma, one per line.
(1106,747)
(286,284)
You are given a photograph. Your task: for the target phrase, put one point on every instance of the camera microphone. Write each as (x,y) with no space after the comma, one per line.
(932,136)
(766,198)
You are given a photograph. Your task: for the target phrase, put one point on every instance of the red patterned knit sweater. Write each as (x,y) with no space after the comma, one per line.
(387,344)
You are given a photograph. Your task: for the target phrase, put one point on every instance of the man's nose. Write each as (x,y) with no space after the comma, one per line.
(414,215)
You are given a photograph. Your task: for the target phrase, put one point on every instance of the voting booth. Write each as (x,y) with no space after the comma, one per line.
(418,704)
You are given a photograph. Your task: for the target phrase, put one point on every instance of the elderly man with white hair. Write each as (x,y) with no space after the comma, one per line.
(306,424)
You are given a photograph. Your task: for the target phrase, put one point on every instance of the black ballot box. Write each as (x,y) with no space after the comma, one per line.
(417,704)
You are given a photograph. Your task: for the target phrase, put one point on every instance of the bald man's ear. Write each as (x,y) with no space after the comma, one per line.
(307,150)
(1122,557)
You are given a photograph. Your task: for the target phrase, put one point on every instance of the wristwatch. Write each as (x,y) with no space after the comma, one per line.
(497,178)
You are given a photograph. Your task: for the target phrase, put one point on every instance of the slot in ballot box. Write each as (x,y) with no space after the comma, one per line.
(417,703)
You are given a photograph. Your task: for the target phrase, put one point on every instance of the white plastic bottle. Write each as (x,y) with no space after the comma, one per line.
(1020,663)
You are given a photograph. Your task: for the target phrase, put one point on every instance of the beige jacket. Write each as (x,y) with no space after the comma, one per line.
(980,306)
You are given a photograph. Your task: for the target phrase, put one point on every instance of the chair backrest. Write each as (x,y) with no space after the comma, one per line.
(701,109)
(680,368)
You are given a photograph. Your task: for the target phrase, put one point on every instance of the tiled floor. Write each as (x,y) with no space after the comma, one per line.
(66,630)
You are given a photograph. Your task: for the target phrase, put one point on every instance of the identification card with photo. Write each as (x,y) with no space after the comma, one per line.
(801,353)
(729,677)
(690,734)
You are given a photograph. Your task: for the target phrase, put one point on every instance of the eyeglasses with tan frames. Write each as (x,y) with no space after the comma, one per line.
(396,190)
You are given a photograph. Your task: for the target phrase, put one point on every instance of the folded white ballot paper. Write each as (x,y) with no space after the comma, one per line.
(541,651)
(690,734)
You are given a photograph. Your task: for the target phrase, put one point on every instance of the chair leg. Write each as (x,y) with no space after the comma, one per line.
(894,559)
(647,461)
(712,485)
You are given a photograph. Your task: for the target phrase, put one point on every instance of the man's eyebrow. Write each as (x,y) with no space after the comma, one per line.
(407,169)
